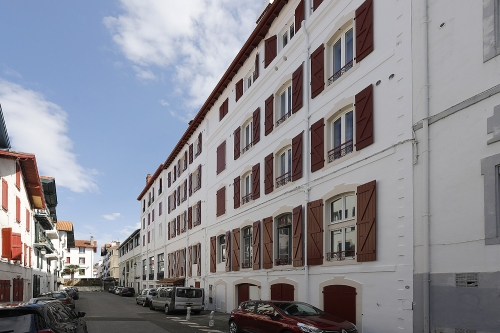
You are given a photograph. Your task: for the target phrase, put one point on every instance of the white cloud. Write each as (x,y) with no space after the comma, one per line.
(38,126)
(111,217)
(129,229)
(197,38)
(144,74)
(164,103)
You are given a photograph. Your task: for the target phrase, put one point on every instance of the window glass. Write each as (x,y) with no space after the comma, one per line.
(350,239)
(284,235)
(265,309)
(283,103)
(350,207)
(337,56)
(292,30)
(248,306)
(285,39)
(348,126)
(348,46)
(336,210)
(188,293)
(336,240)
(289,100)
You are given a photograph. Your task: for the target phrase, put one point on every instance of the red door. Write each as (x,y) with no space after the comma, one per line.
(243,292)
(282,292)
(340,301)
(18,290)
(4,291)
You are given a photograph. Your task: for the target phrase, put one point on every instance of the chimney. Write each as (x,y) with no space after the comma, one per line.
(91,240)
(148,177)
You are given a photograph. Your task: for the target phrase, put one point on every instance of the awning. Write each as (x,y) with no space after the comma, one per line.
(172,281)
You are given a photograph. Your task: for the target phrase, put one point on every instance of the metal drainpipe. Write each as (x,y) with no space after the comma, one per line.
(188,169)
(426,170)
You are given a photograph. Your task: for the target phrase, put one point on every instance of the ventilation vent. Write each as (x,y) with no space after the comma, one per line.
(463,330)
(466,280)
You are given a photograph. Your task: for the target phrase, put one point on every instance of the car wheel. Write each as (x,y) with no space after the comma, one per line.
(233,327)
(167,309)
(144,304)
(151,307)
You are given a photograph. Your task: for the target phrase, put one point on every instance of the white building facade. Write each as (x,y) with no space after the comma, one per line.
(82,254)
(130,260)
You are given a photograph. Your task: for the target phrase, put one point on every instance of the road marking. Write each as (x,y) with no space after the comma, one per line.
(212,331)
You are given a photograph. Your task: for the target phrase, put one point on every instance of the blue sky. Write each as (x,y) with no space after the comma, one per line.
(101,91)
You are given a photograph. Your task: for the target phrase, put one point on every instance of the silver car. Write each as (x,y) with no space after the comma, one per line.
(144,298)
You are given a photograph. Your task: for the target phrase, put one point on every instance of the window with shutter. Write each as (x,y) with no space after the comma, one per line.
(237,194)
(316,4)
(256,181)
(297,157)
(174,172)
(213,257)
(367,222)
(256,245)
(18,176)
(18,210)
(315,232)
(190,153)
(169,179)
(239,89)
(364,117)
(199,177)
(297,242)
(256,66)
(269,174)
(5,195)
(236,149)
(179,195)
(28,220)
(364,30)
(190,218)
(198,151)
(317,145)
(317,71)
(269,115)
(198,211)
(235,259)
(7,243)
(299,15)
(256,126)
(267,261)
(223,109)
(185,189)
(297,83)
(221,157)
(190,184)
(185,161)
(228,251)
(198,266)
(221,201)
(270,52)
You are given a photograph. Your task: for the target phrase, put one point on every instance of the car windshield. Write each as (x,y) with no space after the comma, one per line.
(20,323)
(58,295)
(188,293)
(299,309)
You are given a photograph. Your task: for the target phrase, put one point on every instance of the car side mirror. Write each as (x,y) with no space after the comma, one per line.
(81,314)
(276,316)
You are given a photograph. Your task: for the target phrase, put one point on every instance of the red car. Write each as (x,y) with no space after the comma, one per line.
(284,316)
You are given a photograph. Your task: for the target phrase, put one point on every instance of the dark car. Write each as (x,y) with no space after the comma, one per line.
(111,289)
(61,296)
(72,291)
(284,316)
(109,279)
(118,290)
(43,317)
(145,297)
(127,292)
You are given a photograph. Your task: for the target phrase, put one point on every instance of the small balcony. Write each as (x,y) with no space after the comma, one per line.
(340,255)
(283,179)
(285,117)
(247,148)
(246,198)
(151,276)
(160,275)
(340,151)
(283,261)
(340,72)
(246,264)
(43,217)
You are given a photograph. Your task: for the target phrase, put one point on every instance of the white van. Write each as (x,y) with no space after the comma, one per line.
(178,298)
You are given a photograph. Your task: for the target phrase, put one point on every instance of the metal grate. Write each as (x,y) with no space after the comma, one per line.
(466,280)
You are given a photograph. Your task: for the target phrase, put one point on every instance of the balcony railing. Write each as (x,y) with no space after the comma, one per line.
(340,151)
(151,276)
(160,275)
(246,198)
(247,147)
(144,276)
(341,255)
(340,72)
(285,117)
(246,264)
(196,222)
(197,187)
(283,179)
(283,261)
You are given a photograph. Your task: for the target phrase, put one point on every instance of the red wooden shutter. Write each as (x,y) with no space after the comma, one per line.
(168,231)
(17,247)
(316,4)
(236,197)
(317,145)
(198,211)
(169,179)
(18,176)
(190,218)
(315,232)
(364,117)
(5,195)
(239,89)
(221,201)
(185,160)
(317,71)
(28,220)
(269,180)
(190,184)
(175,172)
(256,71)
(18,210)
(297,83)
(297,242)
(168,204)
(228,251)
(223,109)
(199,144)
(267,260)
(29,249)
(364,30)
(299,15)
(297,157)
(185,188)
(237,133)
(269,119)
(270,50)
(256,126)
(178,225)
(235,259)
(178,195)
(221,157)
(179,170)
(256,181)
(256,245)
(7,243)
(198,273)
(191,153)
(367,222)
(199,176)
(175,198)
(190,262)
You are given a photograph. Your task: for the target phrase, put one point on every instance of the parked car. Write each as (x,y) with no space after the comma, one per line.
(281,316)
(145,296)
(174,298)
(42,317)
(41,299)
(61,296)
(112,289)
(118,290)
(72,291)
(109,279)
(130,292)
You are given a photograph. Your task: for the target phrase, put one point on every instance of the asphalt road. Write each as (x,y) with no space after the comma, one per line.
(109,313)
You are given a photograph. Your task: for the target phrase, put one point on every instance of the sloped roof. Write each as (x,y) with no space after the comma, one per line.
(4,136)
(86,243)
(64,226)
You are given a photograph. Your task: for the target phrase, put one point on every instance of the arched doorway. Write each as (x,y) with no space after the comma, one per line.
(245,292)
(282,292)
(340,300)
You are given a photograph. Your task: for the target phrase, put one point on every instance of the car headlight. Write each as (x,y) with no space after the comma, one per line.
(309,329)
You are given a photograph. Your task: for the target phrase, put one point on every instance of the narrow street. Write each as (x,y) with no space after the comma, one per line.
(108,313)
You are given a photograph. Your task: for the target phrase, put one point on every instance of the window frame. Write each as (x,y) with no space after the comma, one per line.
(283,173)
(247,190)
(247,142)
(346,147)
(283,106)
(247,252)
(334,74)
(343,224)
(221,248)
(279,260)
(287,33)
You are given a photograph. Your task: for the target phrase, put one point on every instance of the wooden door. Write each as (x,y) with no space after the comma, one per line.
(243,293)
(4,291)
(18,290)
(282,292)
(340,300)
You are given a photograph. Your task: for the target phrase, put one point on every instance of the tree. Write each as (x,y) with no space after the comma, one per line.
(70,270)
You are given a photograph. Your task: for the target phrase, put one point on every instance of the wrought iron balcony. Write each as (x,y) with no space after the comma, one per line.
(340,151)
(198,186)
(151,276)
(283,261)
(246,264)
(196,222)
(340,72)
(247,147)
(44,218)
(246,198)
(340,255)
(283,179)
(285,117)
(160,275)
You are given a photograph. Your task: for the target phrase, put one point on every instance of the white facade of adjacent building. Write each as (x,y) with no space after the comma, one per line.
(130,254)
(82,254)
